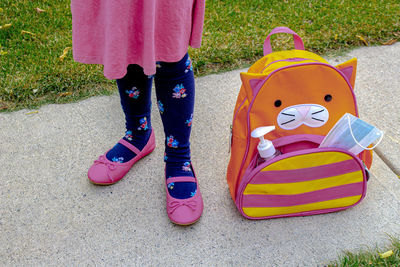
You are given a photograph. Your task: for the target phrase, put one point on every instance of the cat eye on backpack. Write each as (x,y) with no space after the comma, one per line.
(303,96)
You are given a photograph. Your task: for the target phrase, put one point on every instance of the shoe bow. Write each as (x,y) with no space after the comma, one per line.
(110,165)
(173,205)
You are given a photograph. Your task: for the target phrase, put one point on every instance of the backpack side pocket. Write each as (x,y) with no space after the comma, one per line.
(306,182)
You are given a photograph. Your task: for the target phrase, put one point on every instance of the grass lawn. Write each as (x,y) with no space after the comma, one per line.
(389,256)
(31,41)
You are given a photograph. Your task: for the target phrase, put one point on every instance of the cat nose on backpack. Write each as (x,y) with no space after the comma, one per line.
(312,115)
(303,110)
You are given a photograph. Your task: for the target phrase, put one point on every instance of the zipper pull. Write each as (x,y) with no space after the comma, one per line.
(230,139)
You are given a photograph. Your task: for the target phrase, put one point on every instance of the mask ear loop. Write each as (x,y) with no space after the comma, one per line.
(352,135)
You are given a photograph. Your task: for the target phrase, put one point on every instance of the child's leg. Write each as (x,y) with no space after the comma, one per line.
(135,94)
(175,94)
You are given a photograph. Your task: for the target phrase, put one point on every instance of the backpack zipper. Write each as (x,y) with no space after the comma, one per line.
(231,126)
(293,59)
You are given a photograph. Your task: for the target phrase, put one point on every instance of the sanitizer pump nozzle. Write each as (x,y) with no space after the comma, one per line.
(265,147)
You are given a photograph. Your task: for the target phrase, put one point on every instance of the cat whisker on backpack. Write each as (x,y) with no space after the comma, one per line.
(288,114)
(288,122)
(317,112)
(317,119)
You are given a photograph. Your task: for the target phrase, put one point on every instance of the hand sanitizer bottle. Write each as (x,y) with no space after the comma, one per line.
(265,147)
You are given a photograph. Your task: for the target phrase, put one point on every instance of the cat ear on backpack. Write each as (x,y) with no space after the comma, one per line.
(349,69)
(252,82)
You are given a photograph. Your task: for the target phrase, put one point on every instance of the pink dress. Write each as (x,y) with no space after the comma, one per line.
(116,33)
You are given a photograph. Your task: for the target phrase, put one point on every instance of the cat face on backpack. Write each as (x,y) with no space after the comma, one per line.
(312,115)
(308,99)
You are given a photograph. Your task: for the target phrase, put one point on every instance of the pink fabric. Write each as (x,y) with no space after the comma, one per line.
(129,146)
(342,191)
(298,42)
(306,174)
(347,72)
(181,179)
(117,33)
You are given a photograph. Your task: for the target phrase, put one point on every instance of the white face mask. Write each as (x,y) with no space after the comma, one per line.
(352,134)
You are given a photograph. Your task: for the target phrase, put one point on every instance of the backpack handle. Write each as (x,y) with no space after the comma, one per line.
(298,42)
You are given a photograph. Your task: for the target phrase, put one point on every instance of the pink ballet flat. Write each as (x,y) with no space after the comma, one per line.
(106,172)
(184,211)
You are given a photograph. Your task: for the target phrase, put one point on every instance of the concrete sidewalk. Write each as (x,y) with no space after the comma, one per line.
(51,215)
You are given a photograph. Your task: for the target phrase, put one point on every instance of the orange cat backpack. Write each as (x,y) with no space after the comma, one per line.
(303,96)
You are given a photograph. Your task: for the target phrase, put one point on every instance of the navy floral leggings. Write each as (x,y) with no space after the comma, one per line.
(175,91)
